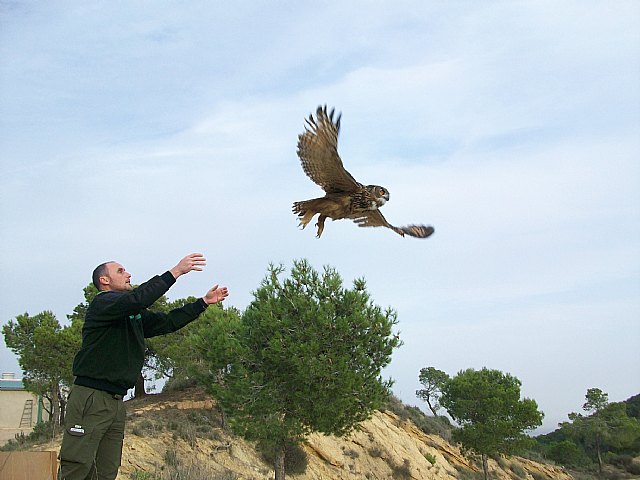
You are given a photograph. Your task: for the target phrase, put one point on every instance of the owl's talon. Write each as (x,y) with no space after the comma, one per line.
(320,225)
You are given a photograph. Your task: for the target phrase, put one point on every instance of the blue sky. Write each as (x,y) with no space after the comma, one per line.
(143,131)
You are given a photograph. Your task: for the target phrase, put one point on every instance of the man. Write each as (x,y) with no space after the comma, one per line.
(110,360)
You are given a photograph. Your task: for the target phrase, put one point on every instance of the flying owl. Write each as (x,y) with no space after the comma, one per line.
(344,196)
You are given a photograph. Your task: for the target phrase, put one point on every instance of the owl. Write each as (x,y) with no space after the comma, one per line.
(344,196)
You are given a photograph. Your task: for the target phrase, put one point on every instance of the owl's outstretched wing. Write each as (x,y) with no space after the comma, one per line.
(318,152)
(373,218)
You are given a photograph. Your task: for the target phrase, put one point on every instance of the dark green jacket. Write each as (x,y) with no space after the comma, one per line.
(114,330)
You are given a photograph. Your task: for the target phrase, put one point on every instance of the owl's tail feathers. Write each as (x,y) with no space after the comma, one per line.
(418,231)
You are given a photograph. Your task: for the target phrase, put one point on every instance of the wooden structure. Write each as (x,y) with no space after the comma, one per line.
(28,465)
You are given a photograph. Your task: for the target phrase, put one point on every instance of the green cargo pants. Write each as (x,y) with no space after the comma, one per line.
(93,433)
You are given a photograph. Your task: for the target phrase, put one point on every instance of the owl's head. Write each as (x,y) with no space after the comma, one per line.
(379,194)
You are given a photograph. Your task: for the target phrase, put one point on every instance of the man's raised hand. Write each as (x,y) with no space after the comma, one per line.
(195,261)
(215,295)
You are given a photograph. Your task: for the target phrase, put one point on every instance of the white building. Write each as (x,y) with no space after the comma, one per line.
(19,410)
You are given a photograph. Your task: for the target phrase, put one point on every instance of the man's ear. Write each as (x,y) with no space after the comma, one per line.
(104,280)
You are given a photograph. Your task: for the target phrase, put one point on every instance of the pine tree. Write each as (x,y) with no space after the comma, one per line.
(308,357)
(432,379)
(45,353)
(487,406)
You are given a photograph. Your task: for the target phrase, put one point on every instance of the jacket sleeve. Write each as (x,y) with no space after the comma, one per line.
(157,323)
(117,305)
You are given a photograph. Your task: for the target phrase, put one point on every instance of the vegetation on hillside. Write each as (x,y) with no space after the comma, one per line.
(606,439)
(306,355)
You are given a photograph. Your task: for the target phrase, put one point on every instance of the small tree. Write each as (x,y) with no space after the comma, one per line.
(433,380)
(45,353)
(309,356)
(487,406)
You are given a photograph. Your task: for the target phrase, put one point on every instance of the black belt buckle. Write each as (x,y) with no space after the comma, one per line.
(117,396)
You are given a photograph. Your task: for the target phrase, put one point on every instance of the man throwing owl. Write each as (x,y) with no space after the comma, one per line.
(110,360)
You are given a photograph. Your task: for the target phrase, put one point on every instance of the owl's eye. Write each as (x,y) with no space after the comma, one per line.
(382,191)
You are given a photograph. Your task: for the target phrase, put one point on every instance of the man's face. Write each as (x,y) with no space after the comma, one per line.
(118,278)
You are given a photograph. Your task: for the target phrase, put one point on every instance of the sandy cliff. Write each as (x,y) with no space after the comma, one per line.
(181,430)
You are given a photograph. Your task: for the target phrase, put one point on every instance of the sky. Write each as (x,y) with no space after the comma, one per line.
(143,131)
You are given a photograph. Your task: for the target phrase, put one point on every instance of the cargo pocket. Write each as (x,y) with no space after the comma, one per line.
(78,445)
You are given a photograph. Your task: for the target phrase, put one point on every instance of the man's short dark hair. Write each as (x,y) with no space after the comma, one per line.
(100,271)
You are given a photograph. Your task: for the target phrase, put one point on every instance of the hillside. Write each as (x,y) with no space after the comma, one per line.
(178,435)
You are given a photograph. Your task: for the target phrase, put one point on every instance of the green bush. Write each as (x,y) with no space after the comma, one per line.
(518,469)
(42,432)
(140,475)
(178,384)
(430,458)
(566,453)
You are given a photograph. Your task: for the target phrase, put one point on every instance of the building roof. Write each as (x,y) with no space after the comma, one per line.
(11,384)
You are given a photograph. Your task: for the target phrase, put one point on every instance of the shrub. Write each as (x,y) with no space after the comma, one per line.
(518,470)
(177,384)
(566,453)
(140,475)
(171,458)
(625,462)
(146,427)
(613,475)
(351,453)
(42,432)
(375,452)
(193,471)
(465,473)
(539,476)
(401,472)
